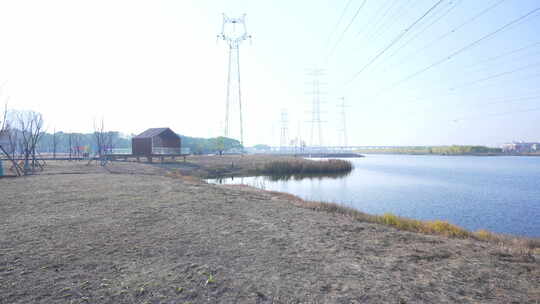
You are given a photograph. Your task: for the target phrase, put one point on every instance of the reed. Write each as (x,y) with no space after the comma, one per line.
(306,166)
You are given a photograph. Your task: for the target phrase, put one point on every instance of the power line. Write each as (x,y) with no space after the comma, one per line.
(490,102)
(371,19)
(504,54)
(412,54)
(497,114)
(507,100)
(395,40)
(445,13)
(346,29)
(461,50)
(453,92)
(496,76)
(339,22)
(527,58)
(378,25)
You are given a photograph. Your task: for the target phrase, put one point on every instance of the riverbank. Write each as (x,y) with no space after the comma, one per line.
(131,234)
(448,154)
(441,153)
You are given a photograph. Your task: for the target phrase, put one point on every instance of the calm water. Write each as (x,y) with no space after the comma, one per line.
(501,194)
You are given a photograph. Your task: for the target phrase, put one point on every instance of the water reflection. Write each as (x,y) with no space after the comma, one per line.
(277,178)
(498,194)
(298,177)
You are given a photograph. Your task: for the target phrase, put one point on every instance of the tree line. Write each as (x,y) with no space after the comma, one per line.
(25,137)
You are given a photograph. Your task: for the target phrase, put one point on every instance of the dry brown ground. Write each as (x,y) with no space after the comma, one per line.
(140,237)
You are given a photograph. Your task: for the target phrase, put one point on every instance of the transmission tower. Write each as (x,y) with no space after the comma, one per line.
(234,32)
(343,131)
(284,140)
(316,135)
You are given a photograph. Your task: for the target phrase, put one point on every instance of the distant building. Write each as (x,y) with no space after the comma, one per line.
(521,147)
(156,141)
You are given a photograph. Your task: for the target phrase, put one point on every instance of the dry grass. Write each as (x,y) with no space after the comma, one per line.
(522,245)
(305,166)
(518,245)
(138,237)
(213,166)
(428,227)
(188,179)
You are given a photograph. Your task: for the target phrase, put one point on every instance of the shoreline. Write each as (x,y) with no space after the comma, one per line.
(445,228)
(484,233)
(135,233)
(463,154)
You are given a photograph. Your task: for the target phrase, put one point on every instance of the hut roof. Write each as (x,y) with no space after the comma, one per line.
(152,132)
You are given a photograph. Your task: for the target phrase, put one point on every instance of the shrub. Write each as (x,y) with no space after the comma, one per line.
(445,228)
(485,235)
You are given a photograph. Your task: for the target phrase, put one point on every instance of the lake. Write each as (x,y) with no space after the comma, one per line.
(500,194)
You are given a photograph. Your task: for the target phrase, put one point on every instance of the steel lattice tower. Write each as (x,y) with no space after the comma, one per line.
(234,32)
(343,130)
(284,140)
(316,122)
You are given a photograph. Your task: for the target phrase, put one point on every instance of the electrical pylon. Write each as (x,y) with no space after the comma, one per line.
(343,130)
(284,140)
(316,122)
(234,32)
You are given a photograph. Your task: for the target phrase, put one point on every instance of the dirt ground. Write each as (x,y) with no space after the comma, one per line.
(129,234)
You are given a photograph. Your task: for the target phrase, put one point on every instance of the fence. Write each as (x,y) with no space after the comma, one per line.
(155,151)
(120,151)
(169,151)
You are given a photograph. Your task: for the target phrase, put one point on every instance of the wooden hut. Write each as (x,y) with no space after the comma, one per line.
(156,141)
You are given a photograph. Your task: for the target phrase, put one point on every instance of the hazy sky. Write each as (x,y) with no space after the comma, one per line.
(407,80)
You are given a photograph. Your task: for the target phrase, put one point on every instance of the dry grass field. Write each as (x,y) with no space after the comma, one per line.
(135,233)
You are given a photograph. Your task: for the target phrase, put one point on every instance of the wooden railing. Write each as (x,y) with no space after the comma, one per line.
(168,151)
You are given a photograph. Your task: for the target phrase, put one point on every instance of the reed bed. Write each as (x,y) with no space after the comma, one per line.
(306,166)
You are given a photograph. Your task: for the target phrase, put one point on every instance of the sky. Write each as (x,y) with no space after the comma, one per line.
(422,72)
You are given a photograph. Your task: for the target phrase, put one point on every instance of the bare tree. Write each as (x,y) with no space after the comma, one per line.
(31,130)
(77,141)
(102,139)
(70,144)
(54,143)
(4,122)
(14,142)
(9,126)
(6,131)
